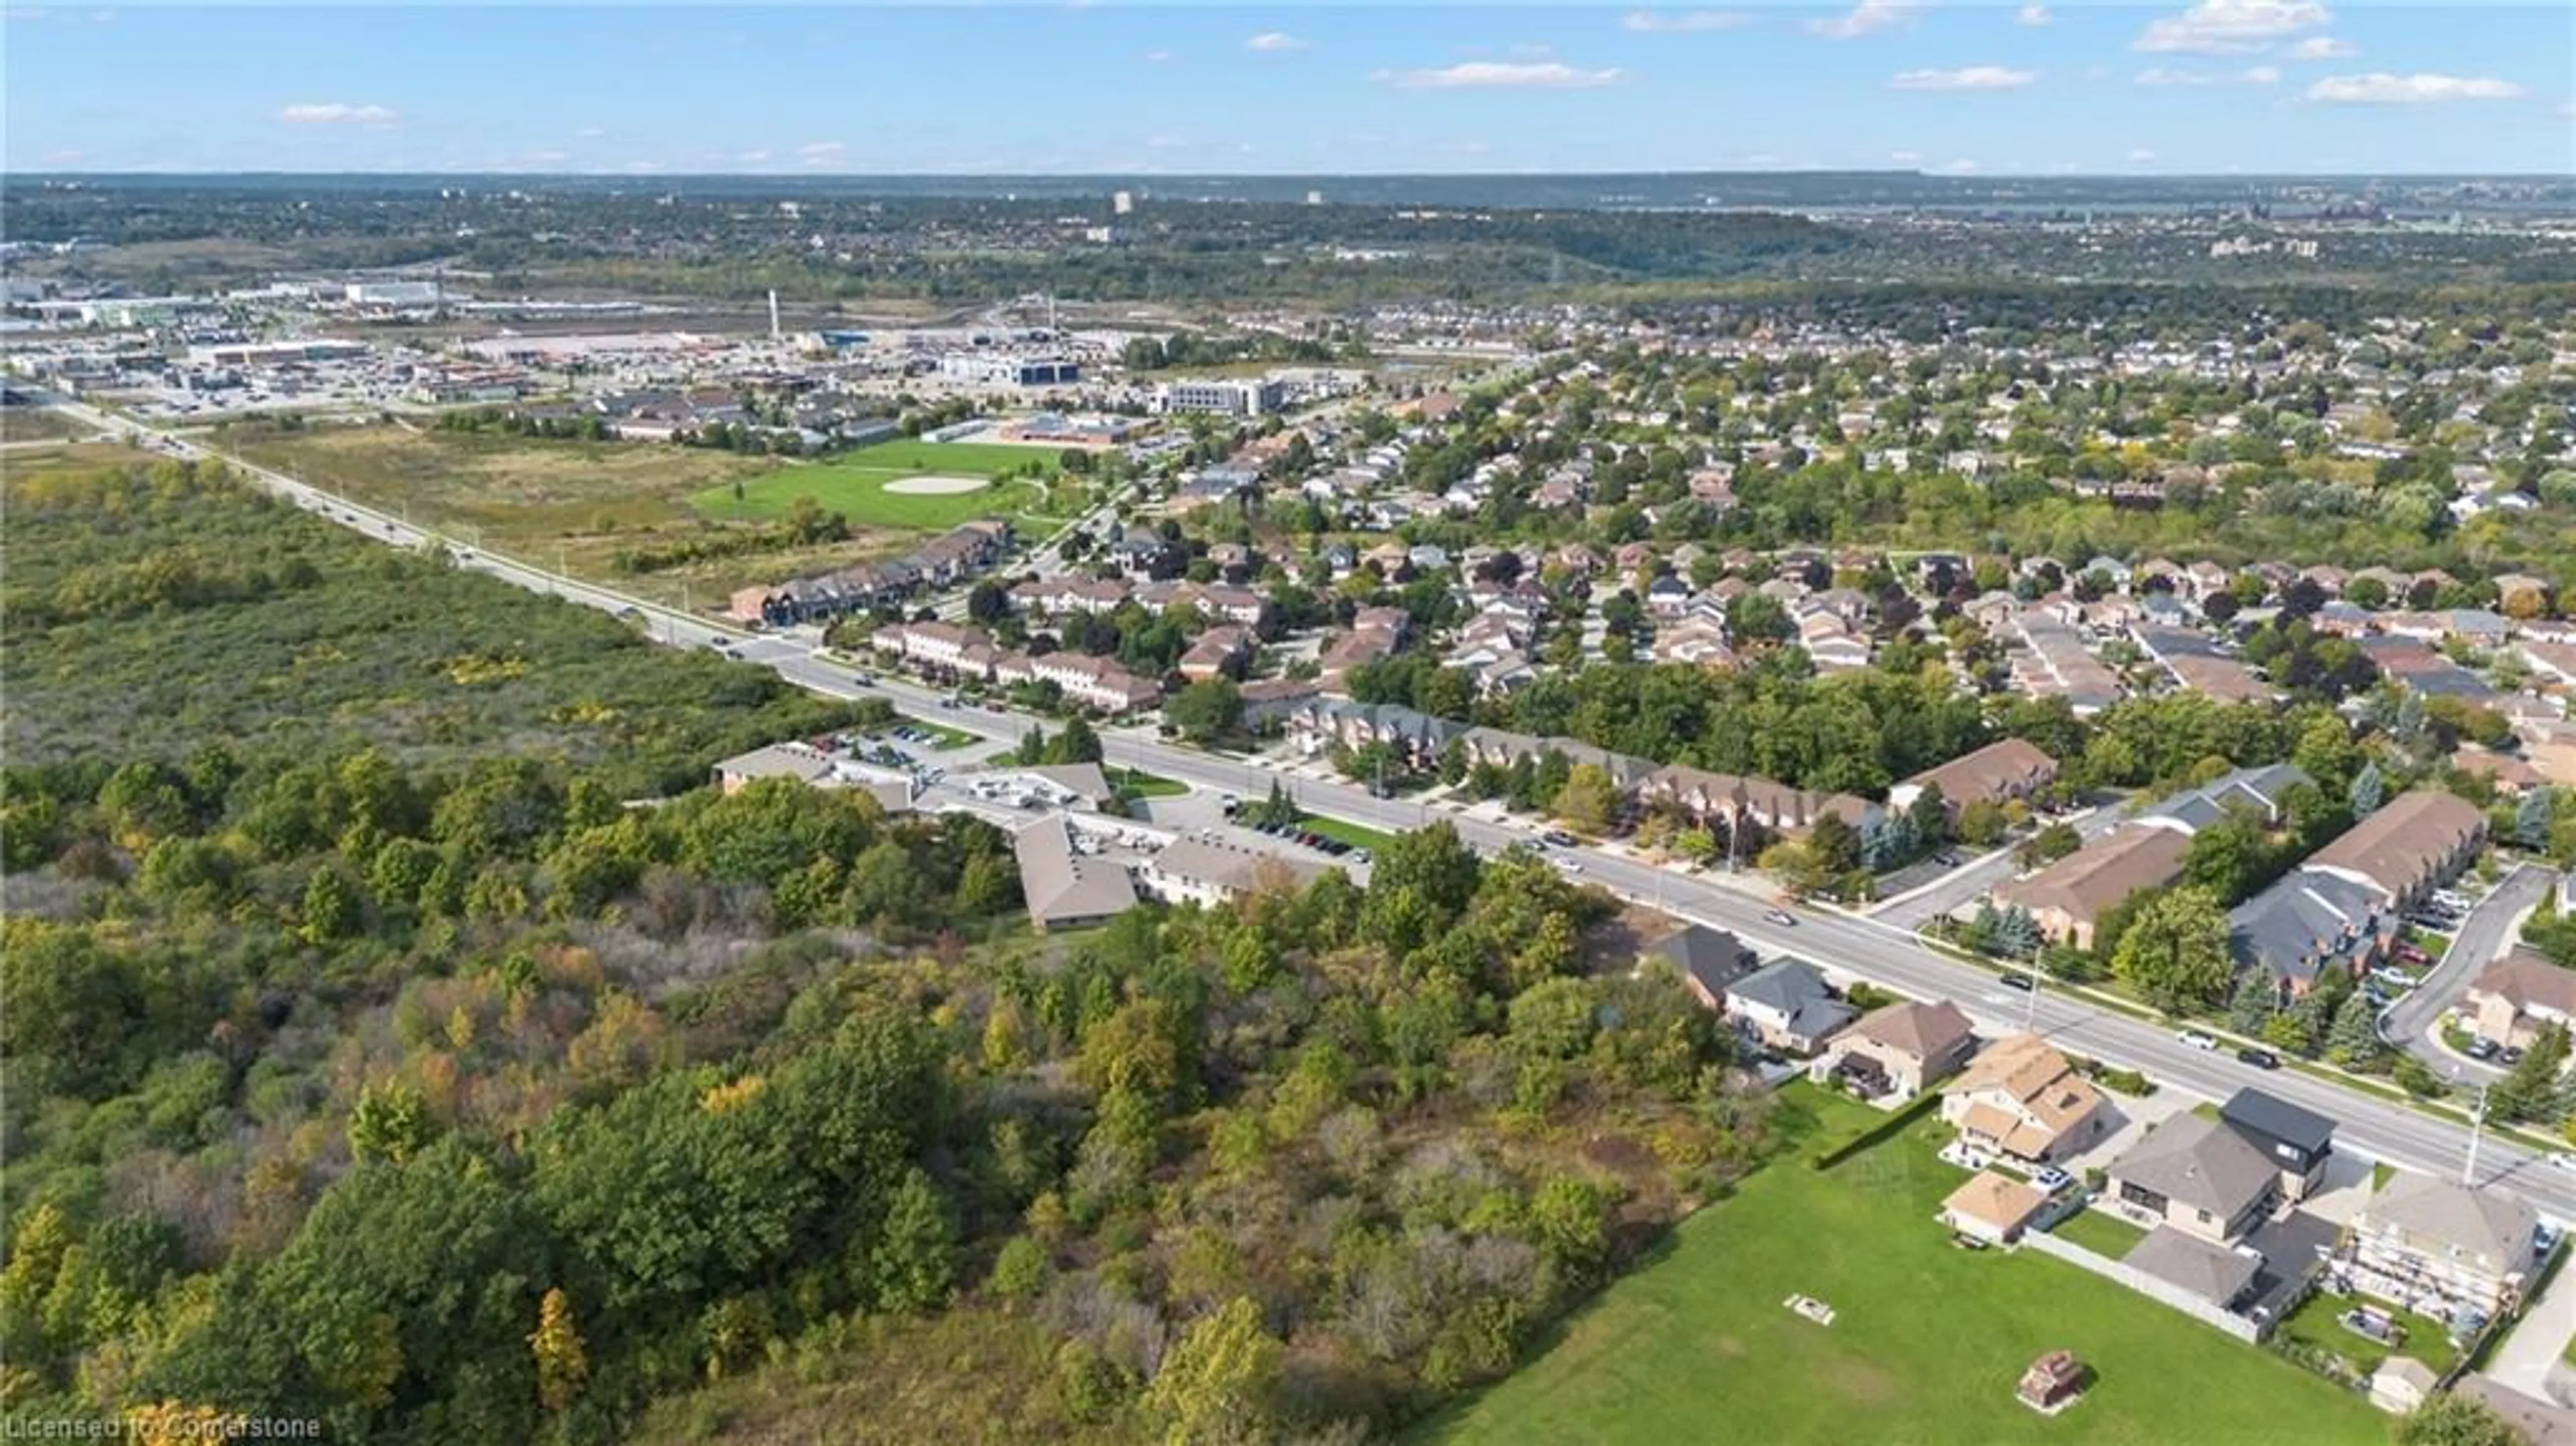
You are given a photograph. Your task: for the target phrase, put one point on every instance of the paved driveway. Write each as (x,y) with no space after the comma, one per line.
(2483,937)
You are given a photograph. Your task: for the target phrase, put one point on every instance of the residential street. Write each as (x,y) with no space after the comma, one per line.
(2484,936)
(1866,948)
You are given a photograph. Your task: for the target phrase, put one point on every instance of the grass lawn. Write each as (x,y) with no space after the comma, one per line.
(1358,836)
(1925,1351)
(2101,1232)
(2380,1175)
(1136,783)
(550,503)
(854,485)
(2314,1324)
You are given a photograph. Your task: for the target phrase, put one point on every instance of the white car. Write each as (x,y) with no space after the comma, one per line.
(1565,865)
(2563,1159)
(2197,1040)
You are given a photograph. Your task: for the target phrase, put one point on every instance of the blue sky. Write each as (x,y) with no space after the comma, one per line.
(2221,86)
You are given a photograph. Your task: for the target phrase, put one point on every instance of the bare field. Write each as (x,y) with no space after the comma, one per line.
(35,424)
(575,504)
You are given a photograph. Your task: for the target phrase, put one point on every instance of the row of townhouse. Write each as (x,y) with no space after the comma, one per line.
(1318,724)
(1066,596)
(950,558)
(964,652)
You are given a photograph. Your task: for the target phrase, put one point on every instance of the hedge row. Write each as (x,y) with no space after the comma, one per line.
(1895,1124)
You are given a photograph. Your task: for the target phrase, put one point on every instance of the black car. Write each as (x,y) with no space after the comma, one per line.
(2021,982)
(2509,1056)
(2259,1058)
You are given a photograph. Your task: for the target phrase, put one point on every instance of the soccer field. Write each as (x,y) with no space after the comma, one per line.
(856,486)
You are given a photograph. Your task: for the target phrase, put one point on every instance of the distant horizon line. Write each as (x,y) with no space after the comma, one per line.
(1135,178)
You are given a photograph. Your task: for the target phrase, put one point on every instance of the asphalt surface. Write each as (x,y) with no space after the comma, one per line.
(2483,937)
(1856,946)
(1972,880)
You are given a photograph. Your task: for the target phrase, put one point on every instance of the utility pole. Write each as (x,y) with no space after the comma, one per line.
(2477,1135)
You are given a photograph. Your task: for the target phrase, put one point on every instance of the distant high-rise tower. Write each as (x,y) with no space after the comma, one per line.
(773,314)
(1314,198)
(1122,203)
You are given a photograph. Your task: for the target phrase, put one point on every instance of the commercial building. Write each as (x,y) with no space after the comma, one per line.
(1224,398)
(1010,371)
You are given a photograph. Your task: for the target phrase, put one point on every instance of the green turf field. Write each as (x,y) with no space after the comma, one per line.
(854,485)
(1926,1346)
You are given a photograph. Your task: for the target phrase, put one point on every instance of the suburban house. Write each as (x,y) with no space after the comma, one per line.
(1709,797)
(2439,1248)
(1991,1207)
(815,768)
(2020,1099)
(1996,773)
(1788,1006)
(2258,791)
(1711,961)
(1065,886)
(1893,1054)
(2216,1273)
(2069,897)
(950,557)
(1198,870)
(2519,994)
(2199,1176)
(2309,922)
(2414,844)
(2298,1141)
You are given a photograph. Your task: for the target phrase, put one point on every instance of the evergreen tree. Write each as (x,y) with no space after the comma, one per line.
(2369,790)
(2352,1040)
(2256,1000)
(2532,818)
(2530,1090)
(2017,934)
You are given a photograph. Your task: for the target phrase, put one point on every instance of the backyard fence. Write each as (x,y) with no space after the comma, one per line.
(2146,1285)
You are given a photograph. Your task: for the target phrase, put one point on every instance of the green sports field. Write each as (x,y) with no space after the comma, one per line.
(854,485)
(1926,1346)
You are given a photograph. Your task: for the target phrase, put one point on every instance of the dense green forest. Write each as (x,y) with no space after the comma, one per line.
(416,1081)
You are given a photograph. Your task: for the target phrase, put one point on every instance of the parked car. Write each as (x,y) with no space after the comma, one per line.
(2197,1040)
(2050,1179)
(2480,1049)
(2509,1056)
(1560,838)
(2259,1058)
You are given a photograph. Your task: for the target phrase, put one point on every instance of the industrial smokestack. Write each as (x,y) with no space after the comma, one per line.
(773,314)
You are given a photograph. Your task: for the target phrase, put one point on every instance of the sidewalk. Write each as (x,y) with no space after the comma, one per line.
(2529,1361)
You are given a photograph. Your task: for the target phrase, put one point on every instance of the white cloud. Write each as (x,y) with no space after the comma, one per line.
(2567,110)
(1958,168)
(1972,77)
(1865,18)
(545,158)
(1158,57)
(2033,15)
(1502,75)
(1681,22)
(591,133)
(2158,75)
(336,113)
(2232,27)
(2141,155)
(1905,158)
(2381,88)
(2324,47)
(819,150)
(1274,42)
